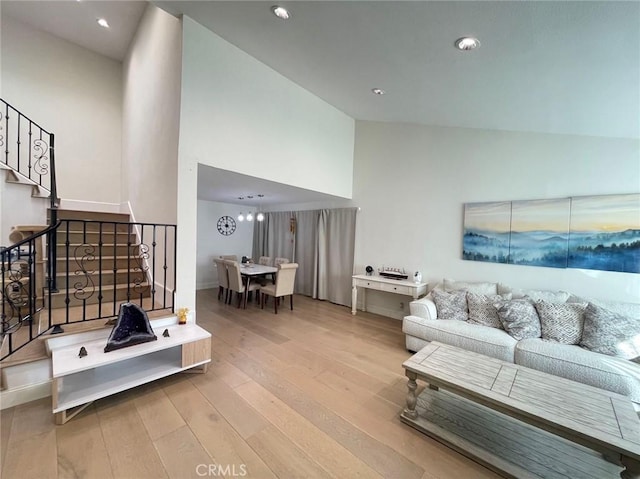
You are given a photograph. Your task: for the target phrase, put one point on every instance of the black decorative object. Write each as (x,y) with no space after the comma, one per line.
(166,333)
(83,352)
(369,270)
(226,225)
(132,328)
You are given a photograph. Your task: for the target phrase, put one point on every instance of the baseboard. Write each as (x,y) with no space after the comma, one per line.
(94,206)
(17,396)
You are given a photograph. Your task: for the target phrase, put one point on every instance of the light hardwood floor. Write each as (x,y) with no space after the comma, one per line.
(314,392)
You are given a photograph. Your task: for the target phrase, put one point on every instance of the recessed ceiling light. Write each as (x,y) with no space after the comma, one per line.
(281,12)
(467,43)
(378,91)
(102,22)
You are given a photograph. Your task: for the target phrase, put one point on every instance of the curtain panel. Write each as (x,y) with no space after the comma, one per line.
(322,242)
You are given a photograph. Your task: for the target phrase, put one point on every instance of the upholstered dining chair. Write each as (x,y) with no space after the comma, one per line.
(285,281)
(236,284)
(223,279)
(265,260)
(278,261)
(231,257)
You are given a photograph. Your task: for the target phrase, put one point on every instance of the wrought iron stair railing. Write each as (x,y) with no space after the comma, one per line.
(100,265)
(28,151)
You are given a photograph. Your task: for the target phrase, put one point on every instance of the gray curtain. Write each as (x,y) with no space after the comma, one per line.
(336,245)
(273,237)
(323,245)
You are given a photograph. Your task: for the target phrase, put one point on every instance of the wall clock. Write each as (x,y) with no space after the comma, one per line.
(226,225)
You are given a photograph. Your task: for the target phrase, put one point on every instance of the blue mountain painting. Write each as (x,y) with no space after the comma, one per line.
(612,251)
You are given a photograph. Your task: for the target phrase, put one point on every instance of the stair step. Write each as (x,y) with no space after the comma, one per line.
(108,235)
(78,250)
(108,263)
(108,277)
(90,295)
(64,214)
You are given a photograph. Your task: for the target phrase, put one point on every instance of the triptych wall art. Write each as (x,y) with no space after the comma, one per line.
(589,232)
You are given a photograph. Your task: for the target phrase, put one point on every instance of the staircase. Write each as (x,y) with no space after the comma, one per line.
(61,278)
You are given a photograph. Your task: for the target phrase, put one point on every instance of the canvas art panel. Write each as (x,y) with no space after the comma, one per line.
(540,232)
(487,227)
(605,233)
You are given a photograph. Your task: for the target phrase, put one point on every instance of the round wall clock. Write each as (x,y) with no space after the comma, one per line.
(226,225)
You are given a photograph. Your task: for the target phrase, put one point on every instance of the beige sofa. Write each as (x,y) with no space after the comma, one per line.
(566,360)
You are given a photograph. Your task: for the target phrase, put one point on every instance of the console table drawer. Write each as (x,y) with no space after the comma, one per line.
(397,288)
(364,283)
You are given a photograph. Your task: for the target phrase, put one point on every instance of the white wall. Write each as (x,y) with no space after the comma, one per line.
(151,117)
(17,207)
(74,93)
(239,115)
(412,207)
(211,244)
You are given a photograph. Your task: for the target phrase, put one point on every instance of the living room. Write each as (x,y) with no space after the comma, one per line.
(410,180)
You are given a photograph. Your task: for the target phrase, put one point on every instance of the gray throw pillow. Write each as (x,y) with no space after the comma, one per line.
(482,310)
(519,318)
(451,305)
(561,322)
(610,333)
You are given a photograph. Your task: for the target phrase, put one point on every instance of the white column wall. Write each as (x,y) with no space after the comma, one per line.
(77,95)
(151,118)
(412,207)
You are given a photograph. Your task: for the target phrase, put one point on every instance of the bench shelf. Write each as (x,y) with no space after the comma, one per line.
(79,381)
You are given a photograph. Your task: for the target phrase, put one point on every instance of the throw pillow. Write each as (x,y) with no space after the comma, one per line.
(519,318)
(451,305)
(561,322)
(482,310)
(610,333)
(478,288)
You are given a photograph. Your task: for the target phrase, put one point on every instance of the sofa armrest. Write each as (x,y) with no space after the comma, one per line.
(424,308)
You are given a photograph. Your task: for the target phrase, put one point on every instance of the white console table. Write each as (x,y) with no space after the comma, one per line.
(79,381)
(380,283)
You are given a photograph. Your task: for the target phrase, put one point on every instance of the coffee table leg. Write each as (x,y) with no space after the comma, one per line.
(632,468)
(412,400)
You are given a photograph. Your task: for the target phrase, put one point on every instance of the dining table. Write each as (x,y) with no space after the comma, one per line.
(252,271)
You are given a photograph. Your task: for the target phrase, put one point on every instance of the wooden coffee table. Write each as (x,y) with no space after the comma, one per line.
(520,422)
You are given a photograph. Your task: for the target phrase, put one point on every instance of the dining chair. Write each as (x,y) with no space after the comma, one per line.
(236,284)
(231,257)
(265,260)
(278,261)
(285,281)
(223,279)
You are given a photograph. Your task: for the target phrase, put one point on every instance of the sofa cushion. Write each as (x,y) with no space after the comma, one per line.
(519,318)
(578,364)
(561,322)
(480,339)
(535,294)
(472,287)
(482,310)
(610,333)
(451,305)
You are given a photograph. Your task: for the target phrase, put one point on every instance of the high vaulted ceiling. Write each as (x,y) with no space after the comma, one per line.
(564,67)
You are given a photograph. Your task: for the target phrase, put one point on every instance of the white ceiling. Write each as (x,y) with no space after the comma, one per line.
(76,21)
(566,67)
